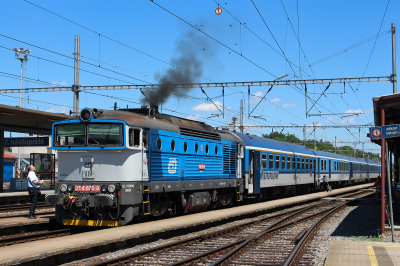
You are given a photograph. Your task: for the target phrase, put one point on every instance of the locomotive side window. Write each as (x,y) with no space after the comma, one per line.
(134,137)
(288,162)
(70,135)
(159,144)
(264,160)
(196,147)
(185,146)
(145,138)
(271,161)
(216,149)
(206,148)
(172,145)
(277,162)
(283,162)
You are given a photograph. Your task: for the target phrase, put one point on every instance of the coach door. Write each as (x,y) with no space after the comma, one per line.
(251,172)
(145,155)
(257,173)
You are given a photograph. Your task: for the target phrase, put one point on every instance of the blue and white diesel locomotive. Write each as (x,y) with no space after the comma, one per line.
(115,166)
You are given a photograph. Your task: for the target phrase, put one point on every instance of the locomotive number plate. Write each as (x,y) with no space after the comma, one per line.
(93,188)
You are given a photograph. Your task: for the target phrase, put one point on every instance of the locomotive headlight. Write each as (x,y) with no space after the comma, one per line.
(70,188)
(111,188)
(104,189)
(63,188)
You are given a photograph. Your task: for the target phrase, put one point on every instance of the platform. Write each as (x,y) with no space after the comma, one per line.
(14,197)
(52,251)
(360,253)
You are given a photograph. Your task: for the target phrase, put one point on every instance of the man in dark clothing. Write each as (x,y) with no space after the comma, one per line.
(33,188)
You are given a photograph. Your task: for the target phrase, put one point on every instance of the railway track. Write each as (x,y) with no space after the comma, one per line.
(280,239)
(22,208)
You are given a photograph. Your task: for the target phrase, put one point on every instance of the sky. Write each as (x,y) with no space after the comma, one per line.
(151,42)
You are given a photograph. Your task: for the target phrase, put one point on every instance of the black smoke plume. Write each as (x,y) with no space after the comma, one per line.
(192,50)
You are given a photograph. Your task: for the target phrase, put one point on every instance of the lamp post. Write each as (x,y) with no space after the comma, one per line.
(21,54)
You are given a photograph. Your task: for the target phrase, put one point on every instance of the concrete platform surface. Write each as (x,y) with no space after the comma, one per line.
(363,253)
(20,253)
(21,221)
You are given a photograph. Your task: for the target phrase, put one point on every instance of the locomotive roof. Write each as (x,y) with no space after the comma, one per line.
(272,144)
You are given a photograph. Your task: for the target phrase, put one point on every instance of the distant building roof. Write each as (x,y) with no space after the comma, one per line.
(5,155)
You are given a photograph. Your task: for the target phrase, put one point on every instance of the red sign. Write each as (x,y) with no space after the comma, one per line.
(376,132)
(202,166)
(88,188)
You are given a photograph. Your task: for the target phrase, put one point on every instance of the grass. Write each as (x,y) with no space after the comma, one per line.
(372,238)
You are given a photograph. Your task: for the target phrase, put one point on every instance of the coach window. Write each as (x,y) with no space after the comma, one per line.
(334,165)
(172,145)
(206,148)
(294,163)
(277,162)
(307,164)
(288,162)
(159,144)
(196,147)
(216,149)
(298,164)
(302,164)
(185,146)
(264,161)
(271,162)
(283,162)
(325,165)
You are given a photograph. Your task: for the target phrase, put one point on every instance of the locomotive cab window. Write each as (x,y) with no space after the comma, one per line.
(134,137)
(104,134)
(69,135)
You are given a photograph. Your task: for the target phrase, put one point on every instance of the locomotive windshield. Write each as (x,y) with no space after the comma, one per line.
(98,134)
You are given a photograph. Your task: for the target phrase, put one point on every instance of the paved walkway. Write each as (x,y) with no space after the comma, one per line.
(363,253)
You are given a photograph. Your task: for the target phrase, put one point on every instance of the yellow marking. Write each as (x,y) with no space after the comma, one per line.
(89,222)
(146,190)
(371,255)
(238,192)
(146,201)
(147,213)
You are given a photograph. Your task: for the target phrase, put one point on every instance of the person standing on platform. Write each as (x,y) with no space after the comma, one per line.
(34,190)
(378,188)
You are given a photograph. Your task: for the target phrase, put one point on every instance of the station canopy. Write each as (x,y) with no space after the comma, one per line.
(17,119)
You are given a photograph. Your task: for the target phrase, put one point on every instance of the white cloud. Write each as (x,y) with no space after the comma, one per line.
(62,110)
(342,120)
(310,129)
(351,111)
(289,105)
(196,117)
(208,107)
(275,100)
(56,83)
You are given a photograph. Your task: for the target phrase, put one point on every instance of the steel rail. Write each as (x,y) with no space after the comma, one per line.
(298,251)
(272,228)
(130,257)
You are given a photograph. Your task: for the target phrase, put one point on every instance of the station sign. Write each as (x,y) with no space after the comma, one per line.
(389,131)
(26,142)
